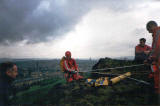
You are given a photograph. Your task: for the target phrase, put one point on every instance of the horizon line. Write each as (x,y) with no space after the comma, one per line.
(123,57)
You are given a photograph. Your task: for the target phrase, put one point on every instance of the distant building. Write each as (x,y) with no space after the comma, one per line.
(36,74)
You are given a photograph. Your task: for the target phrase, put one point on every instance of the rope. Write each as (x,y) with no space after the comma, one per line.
(120,67)
(109,74)
(112,74)
(141,81)
(111,68)
(92,71)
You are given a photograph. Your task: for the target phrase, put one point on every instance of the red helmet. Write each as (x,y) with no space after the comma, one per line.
(68,54)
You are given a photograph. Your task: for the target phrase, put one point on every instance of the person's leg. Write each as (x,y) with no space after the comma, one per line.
(157,79)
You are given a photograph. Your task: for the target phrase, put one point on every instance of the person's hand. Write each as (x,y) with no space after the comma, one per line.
(148,61)
(72,71)
(151,75)
(146,52)
(145,62)
(78,70)
(152,58)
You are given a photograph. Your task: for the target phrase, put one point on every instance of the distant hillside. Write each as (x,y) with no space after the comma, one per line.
(109,62)
(47,64)
(125,58)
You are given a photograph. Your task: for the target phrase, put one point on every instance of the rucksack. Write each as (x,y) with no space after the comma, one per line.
(61,63)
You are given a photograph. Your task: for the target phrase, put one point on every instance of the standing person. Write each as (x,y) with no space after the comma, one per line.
(142,50)
(70,68)
(8,72)
(153,28)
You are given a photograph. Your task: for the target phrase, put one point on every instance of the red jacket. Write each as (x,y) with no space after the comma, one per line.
(142,49)
(70,65)
(155,53)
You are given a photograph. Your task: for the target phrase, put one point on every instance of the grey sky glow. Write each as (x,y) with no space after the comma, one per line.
(88,28)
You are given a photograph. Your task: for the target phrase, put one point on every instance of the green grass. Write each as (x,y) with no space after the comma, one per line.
(36,93)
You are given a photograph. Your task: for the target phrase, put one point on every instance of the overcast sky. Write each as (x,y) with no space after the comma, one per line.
(87,28)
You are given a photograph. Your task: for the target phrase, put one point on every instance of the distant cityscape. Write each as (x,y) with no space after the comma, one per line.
(33,70)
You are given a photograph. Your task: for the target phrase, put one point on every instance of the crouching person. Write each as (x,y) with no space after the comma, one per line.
(70,68)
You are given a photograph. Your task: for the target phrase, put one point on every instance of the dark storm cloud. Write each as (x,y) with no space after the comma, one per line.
(12,18)
(27,20)
(37,20)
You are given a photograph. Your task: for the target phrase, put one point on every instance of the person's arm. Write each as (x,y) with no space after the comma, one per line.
(2,99)
(156,46)
(148,50)
(66,67)
(2,95)
(76,66)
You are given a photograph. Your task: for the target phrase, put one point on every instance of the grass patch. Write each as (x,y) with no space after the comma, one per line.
(36,93)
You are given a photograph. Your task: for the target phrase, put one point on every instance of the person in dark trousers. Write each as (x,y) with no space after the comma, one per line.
(8,72)
(142,51)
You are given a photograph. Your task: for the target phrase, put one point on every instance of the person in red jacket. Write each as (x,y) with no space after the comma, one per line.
(153,28)
(70,68)
(142,51)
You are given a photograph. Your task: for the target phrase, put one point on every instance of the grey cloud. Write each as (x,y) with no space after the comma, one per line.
(24,20)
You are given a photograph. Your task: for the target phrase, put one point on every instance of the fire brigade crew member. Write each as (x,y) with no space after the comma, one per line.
(153,28)
(142,50)
(70,68)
